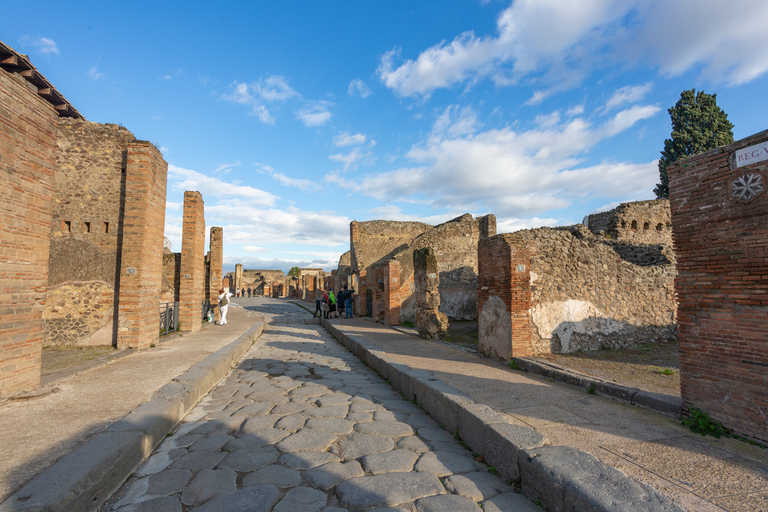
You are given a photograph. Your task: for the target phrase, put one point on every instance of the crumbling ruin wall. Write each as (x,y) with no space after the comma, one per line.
(585,292)
(644,222)
(171,276)
(455,247)
(85,232)
(430,322)
(27,164)
(376,241)
(720,218)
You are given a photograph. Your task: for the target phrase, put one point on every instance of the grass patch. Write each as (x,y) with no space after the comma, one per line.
(513,364)
(408,323)
(664,371)
(591,388)
(701,423)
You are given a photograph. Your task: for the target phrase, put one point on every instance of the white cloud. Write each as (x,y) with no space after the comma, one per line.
(628,94)
(560,43)
(358,88)
(257,94)
(225,168)
(284,180)
(94,73)
(510,225)
(315,114)
(41,44)
(351,159)
(513,174)
(345,139)
(185,179)
(254,248)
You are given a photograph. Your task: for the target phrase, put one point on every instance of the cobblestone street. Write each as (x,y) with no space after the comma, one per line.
(301,425)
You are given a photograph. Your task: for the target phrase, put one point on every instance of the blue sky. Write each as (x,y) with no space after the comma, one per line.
(295,118)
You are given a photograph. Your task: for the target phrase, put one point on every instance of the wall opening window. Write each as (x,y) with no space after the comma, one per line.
(86,227)
(647,225)
(634,224)
(659,227)
(106,227)
(66,226)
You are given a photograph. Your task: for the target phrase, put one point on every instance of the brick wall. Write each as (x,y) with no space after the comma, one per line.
(27,163)
(141,258)
(192,279)
(504,296)
(720,233)
(216,264)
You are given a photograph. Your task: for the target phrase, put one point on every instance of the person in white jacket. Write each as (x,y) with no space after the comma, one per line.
(223,306)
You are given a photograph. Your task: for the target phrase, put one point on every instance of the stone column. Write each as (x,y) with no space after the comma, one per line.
(392,293)
(215,269)
(141,258)
(430,322)
(192,277)
(238,277)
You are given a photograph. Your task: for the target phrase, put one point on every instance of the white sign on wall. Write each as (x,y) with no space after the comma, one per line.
(752,154)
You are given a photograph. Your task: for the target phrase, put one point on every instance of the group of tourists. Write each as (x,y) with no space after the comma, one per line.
(241,293)
(331,305)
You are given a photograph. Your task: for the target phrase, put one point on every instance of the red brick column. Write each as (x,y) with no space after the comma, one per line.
(27,162)
(720,232)
(362,290)
(192,277)
(141,257)
(504,296)
(215,269)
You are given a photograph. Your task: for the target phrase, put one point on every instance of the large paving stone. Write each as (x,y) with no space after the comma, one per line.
(436,434)
(478,486)
(267,436)
(413,443)
(210,443)
(305,460)
(447,502)
(254,409)
(198,461)
(336,426)
(169,481)
(446,463)
(338,411)
(385,428)
(248,460)
(162,504)
(306,440)
(247,499)
(510,502)
(208,483)
(367,492)
(304,499)
(274,474)
(389,462)
(331,474)
(359,445)
(257,423)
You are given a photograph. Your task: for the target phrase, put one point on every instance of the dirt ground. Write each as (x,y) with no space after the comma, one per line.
(59,362)
(654,367)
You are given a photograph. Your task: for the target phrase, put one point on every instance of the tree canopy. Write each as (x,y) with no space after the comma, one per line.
(295,271)
(698,125)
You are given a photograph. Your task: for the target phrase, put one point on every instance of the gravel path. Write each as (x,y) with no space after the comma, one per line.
(301,425)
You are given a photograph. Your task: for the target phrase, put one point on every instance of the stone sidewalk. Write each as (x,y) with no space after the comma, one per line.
(700,474)
(301,425)
(35,433)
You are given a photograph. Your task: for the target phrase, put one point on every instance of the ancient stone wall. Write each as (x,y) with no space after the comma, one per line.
(376,241)
(27,162)
(216,262)
(570,290)
(645,222)
(192,277)
(86,232)
(171,276)
(141,250)
(720,230)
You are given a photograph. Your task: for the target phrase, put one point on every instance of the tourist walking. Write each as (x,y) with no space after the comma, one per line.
(324,305)
(318,307)
(223,306)
(348,303)
(332,304)
(340,301)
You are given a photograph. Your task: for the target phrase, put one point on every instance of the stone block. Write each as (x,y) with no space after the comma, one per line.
(569,480)
(473,423)
(440,400)
(667,405)
(197,380)
(504,442)
(85,478)
(154,418)
(615,391)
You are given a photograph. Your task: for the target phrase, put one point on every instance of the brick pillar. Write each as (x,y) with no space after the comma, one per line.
(192,277)
(719,210)
(141,257)
(362,290)
(392,293)
(504,296)
(27,164)
(215,268)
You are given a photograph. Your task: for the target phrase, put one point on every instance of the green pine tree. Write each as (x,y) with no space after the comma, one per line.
(698,125)
(295,271)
